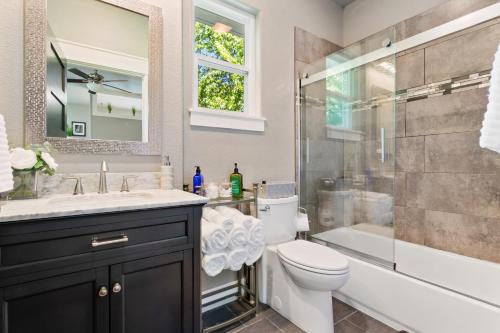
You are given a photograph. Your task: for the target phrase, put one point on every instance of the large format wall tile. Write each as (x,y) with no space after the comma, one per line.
(459,152)
(410,154)
(400,120)
(472,236)
(400,189)
(464,55)
(409,224)
(309,47)
(410,71)
(446,192)
(458,112)
(477,195)
(438,15)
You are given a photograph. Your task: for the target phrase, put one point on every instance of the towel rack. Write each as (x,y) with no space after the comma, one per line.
(247,286)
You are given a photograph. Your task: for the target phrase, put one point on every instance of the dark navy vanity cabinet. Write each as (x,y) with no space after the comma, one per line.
(123,272)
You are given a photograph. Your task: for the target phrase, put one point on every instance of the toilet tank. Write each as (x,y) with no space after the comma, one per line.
(279,218)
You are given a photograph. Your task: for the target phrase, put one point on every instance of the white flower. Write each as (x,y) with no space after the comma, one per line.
(21,159)
(47,158)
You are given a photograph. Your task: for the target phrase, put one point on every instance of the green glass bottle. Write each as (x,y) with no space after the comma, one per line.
(236,180)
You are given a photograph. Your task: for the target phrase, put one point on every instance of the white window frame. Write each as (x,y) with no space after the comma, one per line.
(249,118)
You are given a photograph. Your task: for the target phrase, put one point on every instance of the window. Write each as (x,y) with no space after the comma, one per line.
(224,67)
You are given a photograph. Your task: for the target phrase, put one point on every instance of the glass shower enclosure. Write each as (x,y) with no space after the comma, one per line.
(346,154)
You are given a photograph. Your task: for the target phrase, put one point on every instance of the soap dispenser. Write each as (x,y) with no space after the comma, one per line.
(236,180)
(197,181)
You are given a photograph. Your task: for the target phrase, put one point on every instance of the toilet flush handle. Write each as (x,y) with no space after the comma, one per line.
(265,209)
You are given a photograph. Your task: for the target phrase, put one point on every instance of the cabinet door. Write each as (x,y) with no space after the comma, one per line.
(153,295)
(62,304)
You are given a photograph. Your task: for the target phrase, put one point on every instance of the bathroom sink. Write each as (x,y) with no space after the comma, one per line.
(100,199)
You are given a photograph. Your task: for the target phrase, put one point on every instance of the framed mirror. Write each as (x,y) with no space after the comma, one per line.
(93,76)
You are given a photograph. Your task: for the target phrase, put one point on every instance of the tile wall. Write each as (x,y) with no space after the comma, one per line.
(447,189)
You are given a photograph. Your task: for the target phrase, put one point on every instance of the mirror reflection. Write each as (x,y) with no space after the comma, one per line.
(97,71)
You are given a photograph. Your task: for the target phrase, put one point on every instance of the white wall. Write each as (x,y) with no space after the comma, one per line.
(268,155)
(365,17)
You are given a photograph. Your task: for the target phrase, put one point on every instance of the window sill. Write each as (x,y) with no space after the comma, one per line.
(227,120)
(339,133)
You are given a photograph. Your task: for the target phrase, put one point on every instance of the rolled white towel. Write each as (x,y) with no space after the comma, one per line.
(215,217)
(254,253)
(238,237)
(256,233)
(235,215)
(213,237)
(236,258)
(213,264)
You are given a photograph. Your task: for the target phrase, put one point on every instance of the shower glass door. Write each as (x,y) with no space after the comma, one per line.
(347,149)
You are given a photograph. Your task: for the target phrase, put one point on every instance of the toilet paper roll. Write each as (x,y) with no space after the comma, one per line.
(302,222)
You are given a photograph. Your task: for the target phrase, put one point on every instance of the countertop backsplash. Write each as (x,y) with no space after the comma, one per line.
(49,185)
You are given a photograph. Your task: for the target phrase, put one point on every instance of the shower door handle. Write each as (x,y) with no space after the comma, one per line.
(307,150)
(382,144)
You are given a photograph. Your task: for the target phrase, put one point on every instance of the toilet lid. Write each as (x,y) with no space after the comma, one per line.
(313,255)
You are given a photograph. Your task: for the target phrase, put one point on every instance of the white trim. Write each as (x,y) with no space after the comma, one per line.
(220,118)
(403,302)
(227,119)
(340,133)
(464,22)
(108,59)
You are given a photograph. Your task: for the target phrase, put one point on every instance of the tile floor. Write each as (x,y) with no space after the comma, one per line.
(347,320)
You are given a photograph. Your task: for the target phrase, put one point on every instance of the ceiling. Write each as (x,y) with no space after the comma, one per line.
(343,3)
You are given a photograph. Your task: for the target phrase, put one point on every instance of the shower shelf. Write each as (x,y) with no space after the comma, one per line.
(248,291)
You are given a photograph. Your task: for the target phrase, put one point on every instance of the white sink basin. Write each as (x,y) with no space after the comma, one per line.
(111,199)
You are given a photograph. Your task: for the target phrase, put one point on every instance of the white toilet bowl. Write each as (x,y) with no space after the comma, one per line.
(314,276)
(297,277)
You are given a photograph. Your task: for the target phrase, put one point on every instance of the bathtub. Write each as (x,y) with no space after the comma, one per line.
(431,291)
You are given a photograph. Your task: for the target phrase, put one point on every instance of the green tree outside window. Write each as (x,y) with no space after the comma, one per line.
(218,89)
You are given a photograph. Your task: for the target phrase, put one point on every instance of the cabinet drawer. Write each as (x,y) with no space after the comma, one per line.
(91,239)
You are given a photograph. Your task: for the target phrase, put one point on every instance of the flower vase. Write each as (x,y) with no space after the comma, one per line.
(25,185)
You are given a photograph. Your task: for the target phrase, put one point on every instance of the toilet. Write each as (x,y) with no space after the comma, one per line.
(297,277)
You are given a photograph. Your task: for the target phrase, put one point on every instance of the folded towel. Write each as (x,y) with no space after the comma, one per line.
(215,217)
(213,238)
(490,135)
(256,233)
(238,237)
(213,264)
(254,253)
(236,258)
(235,215)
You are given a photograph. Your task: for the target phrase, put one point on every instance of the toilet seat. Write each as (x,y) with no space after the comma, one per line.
(313,257)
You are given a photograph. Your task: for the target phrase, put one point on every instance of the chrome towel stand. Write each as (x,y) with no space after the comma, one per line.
(248,291)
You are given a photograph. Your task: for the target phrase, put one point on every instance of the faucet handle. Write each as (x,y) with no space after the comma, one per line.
(78,185)
(104,166)
(125,187)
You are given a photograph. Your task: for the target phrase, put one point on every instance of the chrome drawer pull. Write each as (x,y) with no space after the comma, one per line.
(97,243)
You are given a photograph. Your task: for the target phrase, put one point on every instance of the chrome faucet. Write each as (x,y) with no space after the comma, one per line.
(103,185)
(78,186)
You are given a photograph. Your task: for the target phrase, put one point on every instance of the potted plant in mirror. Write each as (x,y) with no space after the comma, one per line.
(26,165)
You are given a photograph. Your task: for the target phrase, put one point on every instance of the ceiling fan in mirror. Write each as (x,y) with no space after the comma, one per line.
(94,81)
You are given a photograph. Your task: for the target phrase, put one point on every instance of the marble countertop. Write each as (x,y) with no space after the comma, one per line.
(93,203)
